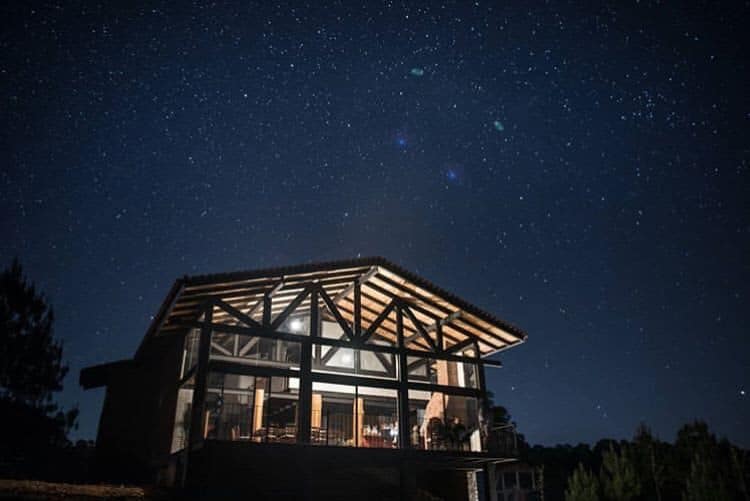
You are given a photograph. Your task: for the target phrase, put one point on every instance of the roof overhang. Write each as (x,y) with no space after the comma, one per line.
(379,281)
(101,375)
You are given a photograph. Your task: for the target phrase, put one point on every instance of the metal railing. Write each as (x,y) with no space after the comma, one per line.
(441,436)
(503,440)
(338,429)
(244,422)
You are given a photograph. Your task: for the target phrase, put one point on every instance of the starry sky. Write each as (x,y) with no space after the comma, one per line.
(579,171)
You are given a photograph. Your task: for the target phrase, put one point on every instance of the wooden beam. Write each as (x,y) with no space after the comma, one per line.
(197,418)
(443,309)
(387,365)
(418,325)
(264,332)
(388,326)
(360,280)
(379,320)
(305,369)
(235,312)
(416,363)
(357,310)
(413,305)
(331,353)
(262,282)
(335,312)
(404,431)
(248,346)
(257,306)
(259,303)
(221,349)
(267,307)
(291,307)
(443,321)
(460,346)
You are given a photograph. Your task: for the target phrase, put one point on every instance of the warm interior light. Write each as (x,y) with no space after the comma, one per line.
(296,325)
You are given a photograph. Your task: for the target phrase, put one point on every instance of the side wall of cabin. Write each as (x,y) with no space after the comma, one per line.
(135,428)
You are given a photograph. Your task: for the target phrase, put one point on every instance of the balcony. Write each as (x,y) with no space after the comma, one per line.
(503,441)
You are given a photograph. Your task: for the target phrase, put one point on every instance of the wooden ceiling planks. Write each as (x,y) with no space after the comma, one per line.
(380,282)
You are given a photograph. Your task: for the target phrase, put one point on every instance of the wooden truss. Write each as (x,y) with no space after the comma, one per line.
(364,296)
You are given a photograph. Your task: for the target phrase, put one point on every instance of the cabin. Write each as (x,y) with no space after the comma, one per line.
(339,380)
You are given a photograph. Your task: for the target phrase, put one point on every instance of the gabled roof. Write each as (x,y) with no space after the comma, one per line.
(380,282)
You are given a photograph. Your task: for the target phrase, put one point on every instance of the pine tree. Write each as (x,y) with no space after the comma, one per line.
(619,479)
(738,468)
(582,486)
(703,482)
(31,367)
(31,370)
(647,463)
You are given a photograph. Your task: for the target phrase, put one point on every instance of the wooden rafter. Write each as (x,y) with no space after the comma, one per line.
(379,320)
(334,310)
(360,280)
(359,288)
(235,312)
(418,325)
(293,305)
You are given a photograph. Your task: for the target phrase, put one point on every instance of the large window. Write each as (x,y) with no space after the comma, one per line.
(258,409)
(442,372)
(183,415)
(349,361)
(352,416)
(253,350)
(356,412)
(190,351)
(440,421)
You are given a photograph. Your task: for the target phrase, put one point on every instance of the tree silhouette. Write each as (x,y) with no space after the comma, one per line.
(31,371)
(704,483)
(582,485)
(648,461)
(619,479)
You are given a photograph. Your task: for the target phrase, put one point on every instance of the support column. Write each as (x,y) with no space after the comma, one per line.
(403,387)
(490,481)
(197,419)
(267,305)
(305,369)
(357,310)
(484,406)
(439,337)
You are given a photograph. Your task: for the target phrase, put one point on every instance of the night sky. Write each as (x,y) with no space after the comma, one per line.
(580,172)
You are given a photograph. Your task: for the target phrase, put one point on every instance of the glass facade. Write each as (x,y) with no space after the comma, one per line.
(354,362)
(252,408)
(253,350)
(441,421)
(354,416)
(190,351)
(442,372)
(253,394)
(183,409)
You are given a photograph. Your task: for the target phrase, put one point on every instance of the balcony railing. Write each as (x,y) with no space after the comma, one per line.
(439,436)
(503,441)
(375,431)
(236,422)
